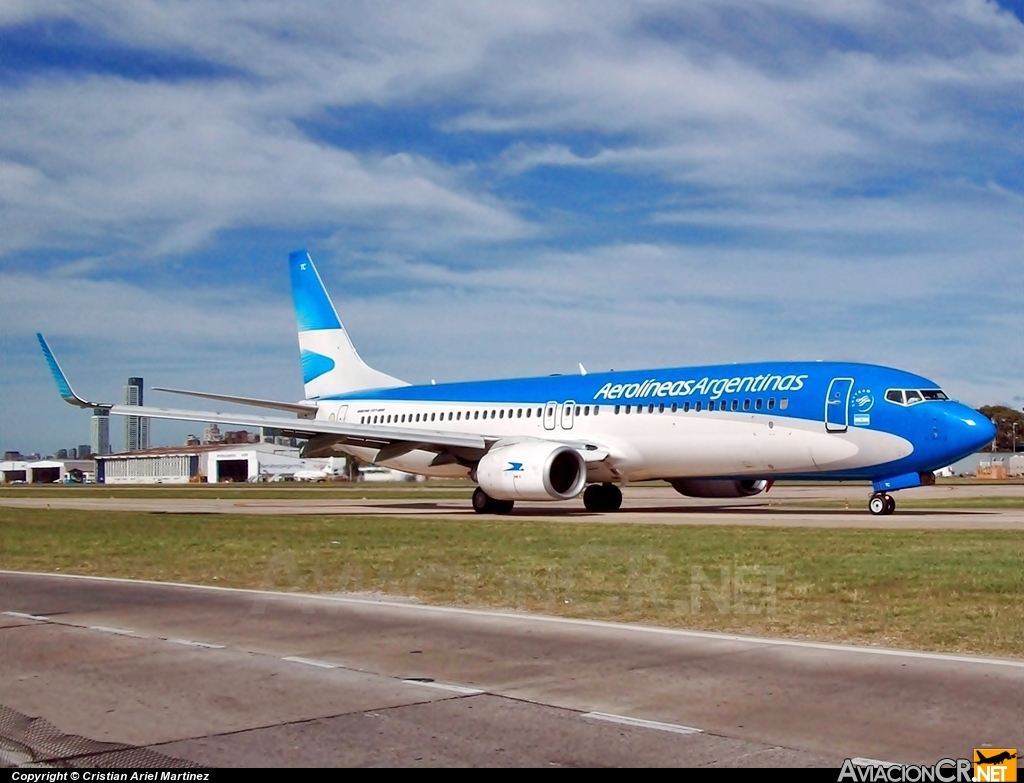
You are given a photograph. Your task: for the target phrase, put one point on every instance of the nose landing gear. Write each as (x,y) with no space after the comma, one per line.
(881,504)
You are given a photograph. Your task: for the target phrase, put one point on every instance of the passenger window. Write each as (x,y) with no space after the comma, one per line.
(686,407)
(528,410)
(450,415)
(674,408)
(432,415)
(519,413)
(771,403)
(913,396)
(595,410)
(616,409)
(757,405)
(501,414)
(577,412)
(697,406)
(783,403)
(629,408)
(735,405)
(661,408)
(746,405)
(586,410)
(476,415)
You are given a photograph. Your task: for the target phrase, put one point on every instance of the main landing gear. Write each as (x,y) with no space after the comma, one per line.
(881,504)
(485,504)
(602,497)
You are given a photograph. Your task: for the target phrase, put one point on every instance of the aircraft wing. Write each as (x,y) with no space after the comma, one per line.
(390,441)
(305,409)
(357,434)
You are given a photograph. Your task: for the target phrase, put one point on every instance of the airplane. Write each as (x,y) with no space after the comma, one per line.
(1004,756)
(723,431)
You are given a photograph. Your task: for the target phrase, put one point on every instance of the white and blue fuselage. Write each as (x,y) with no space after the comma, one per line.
(717,431)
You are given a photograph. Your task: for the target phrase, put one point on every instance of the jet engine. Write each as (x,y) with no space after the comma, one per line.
(532,470)
(719,488)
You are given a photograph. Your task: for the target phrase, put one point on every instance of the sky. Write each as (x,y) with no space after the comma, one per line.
(494,190)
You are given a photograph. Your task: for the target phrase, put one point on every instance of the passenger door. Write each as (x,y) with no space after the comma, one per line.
(837,405)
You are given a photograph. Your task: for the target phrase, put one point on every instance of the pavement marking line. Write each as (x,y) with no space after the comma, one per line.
(311,662)
(442,686)
(863,762)
(541,618)
(189,643)
(625,720)
(25,616)
(118,631)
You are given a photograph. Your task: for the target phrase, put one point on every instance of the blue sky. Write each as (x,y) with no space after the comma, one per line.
(493,191)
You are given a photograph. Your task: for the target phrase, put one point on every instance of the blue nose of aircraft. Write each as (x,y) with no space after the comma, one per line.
(969,430)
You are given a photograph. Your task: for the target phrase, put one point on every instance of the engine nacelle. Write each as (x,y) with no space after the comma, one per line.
(532,470)
(718,488)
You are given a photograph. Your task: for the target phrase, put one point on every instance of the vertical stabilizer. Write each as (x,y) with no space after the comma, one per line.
(330,363)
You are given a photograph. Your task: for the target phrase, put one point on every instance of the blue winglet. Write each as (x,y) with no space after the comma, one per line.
(61,380)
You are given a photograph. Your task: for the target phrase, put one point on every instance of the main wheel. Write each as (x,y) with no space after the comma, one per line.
(877,504)
(890,504)
(612,497)
(485,504)
(593,498)
(482,502)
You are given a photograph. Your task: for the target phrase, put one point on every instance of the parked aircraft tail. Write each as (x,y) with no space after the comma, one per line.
(330,363)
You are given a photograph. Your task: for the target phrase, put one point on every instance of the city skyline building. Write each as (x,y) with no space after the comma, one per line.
(100,431)
(136,428)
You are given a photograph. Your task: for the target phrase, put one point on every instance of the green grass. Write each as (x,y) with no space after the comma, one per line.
(937,590)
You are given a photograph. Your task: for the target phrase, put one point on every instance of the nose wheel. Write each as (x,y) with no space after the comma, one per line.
(881,504)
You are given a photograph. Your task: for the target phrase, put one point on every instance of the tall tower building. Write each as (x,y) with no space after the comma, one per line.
(100,431)
(136,428)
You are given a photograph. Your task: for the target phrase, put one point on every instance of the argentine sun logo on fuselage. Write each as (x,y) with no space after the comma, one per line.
(863,400)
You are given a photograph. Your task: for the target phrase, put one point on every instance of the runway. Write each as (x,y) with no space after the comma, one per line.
(830,506)
(170,674)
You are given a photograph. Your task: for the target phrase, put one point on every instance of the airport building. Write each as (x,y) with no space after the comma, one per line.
(43,471)
(208,463)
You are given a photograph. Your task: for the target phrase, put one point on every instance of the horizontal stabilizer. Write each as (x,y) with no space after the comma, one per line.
(301,408)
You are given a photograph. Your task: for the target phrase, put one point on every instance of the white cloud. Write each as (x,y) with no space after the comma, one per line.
(859,159)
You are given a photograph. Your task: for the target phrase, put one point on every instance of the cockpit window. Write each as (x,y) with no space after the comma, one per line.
(914,396)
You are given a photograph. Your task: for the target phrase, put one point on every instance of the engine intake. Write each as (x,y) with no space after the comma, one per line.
(718,488)
(532,470)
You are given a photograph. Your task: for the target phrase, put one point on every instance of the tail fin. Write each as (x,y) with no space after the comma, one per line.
(330,363)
